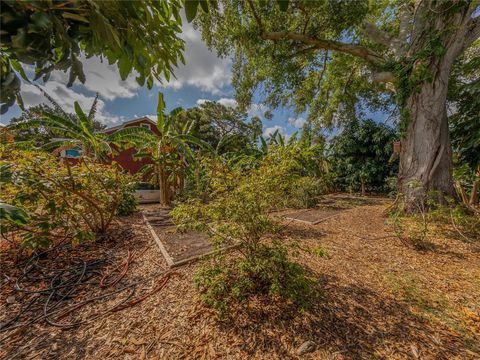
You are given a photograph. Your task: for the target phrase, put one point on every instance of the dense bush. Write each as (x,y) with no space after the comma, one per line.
(62,201)
(129,203)
(362,157)
(307,191)
(238,214)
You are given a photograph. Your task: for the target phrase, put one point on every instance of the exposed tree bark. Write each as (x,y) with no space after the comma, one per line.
(322,44)
(426,155)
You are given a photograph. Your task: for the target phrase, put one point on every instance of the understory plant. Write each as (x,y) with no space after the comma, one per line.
(431,218)
(61,201)
(238,215)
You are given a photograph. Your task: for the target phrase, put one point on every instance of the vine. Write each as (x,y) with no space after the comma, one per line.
(410,73)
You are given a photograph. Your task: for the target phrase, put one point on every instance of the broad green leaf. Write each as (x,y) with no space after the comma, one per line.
(191,7)
(283,4)
(14,214)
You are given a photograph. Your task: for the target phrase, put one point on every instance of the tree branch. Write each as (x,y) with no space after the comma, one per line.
(473,33)
(375,34)
(352,49)
(400,43)
(255,15)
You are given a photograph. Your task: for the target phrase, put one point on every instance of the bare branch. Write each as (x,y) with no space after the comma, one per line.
(352,49)
(397,44)
(400,43)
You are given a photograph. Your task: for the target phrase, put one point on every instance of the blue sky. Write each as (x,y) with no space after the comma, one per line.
(204,77)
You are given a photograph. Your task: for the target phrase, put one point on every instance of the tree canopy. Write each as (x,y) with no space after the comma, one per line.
(336,58)
(222,126)
(320,56)
(138,36)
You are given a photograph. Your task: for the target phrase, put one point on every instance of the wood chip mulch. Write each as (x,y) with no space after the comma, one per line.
(381,299)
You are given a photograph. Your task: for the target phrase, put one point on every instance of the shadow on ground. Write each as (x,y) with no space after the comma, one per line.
(349,320)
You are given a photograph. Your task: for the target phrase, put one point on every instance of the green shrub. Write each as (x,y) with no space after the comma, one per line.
(307,191)
(238,214)
(267,271)
(129,203)
(62,201)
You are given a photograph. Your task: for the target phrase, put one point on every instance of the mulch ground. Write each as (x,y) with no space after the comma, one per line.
(180,246)
(381,299)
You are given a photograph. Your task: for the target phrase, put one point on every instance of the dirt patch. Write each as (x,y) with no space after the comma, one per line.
(177,247)
(381,299)
(185,245)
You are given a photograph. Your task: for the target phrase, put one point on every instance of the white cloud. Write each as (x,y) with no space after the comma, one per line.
(296,122)
(228,102)
(257,110)
(66,97)
(223,101)
(151,117)
(203,69)
(102,78)
(254,110)
(270,130)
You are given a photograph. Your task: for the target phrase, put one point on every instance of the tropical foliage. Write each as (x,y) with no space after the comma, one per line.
(138,36)
(464,96)
(362,157)
(238,215)
(66,131)
(59,202)
(37,136)
(167,149)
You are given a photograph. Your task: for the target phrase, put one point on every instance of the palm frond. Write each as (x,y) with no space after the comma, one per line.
(93,109)
(56,106)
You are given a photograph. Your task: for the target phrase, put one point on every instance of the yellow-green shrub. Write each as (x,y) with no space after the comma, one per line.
(62,201)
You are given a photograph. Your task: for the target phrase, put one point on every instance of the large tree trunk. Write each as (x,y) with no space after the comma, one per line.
(426,153)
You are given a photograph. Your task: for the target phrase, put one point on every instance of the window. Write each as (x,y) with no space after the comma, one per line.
(73,153)
(147,126)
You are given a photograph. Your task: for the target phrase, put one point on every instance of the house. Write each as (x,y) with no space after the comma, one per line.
(125,157)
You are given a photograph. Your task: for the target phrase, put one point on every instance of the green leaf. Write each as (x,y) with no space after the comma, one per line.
(161,104)
(283,4)
(191,7)
(150,82)
(17,67)
(204,5)
(77,17)
(13,214)
(41,19)
(124,66)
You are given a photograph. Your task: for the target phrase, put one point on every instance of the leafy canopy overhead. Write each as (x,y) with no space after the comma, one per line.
(138,36)
(222,127)
(322,55)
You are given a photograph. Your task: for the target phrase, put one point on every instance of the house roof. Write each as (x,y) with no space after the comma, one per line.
(129,122)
